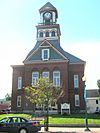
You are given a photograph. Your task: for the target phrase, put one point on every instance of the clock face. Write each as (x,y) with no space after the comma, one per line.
(47,15)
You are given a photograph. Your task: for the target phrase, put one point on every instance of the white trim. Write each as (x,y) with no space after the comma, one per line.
(77,100)
(57,78)
(45,72)
(19,83)
(18,101)
(49,61)
(35,79)
(41,46)
(76,81)
(48,54)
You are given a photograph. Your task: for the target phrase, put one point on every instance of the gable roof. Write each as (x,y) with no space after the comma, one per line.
(56,45)
(92,93)
(48,7)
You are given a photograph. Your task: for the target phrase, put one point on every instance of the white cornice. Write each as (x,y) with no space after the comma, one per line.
(44,61)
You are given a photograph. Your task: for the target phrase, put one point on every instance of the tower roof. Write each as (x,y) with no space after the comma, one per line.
(48,7)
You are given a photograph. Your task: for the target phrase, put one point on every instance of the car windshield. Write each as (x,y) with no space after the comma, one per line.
(4,120)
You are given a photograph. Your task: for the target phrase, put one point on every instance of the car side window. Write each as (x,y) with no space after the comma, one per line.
(10,120)
(23,120)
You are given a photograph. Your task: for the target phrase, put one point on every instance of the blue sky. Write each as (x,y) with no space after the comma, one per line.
(80,34)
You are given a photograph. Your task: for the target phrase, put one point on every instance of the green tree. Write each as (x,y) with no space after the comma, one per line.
(8,97)
(44,93)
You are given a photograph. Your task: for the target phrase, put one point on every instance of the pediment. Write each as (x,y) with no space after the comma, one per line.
(45,44)
(36,54)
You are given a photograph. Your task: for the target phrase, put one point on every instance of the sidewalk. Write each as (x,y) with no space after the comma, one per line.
(69,130)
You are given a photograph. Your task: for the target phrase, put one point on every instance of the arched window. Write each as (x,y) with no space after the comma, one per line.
(47,34)
(53,33)
(41,34)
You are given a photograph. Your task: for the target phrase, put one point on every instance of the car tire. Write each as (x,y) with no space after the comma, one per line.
(23,130)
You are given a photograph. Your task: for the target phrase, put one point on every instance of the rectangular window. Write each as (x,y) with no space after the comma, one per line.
(45,54)
(56,78)
(19,82)
(35,77)
(18,101)
(45,75)
(77,101)
(76,81)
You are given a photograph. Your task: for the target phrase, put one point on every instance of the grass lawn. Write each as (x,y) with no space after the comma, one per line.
(66,119)
(74,119)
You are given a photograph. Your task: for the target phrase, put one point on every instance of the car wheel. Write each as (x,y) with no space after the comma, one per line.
(23,130)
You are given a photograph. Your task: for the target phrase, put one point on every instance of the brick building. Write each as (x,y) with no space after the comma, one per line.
(48,59)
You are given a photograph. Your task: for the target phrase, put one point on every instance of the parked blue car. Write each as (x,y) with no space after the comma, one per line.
(16,124)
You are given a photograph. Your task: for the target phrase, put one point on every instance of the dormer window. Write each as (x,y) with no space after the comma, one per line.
(47,34)
(45,54)
(41,34)
(53,33)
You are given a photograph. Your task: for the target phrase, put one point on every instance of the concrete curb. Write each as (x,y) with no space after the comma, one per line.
(73,125)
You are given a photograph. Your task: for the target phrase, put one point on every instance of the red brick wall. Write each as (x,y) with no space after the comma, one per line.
(67,72)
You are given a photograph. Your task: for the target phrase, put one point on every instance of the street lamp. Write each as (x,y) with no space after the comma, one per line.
(86,115)
(47,116)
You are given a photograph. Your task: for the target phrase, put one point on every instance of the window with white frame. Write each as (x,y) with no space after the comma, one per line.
(56,78)
(18,101)
(45,75)
(76,81)
(19,82)
(45,54)
(35,77)
(77,100)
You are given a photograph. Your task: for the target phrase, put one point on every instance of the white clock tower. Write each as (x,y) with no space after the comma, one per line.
(48,27)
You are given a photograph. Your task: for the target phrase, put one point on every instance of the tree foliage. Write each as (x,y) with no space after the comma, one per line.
(8,97)
(42,92)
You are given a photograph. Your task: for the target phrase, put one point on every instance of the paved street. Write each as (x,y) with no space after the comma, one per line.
(69,130)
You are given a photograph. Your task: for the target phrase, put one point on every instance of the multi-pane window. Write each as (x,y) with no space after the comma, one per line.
(18,101)
(77,100)
(19,82)
(76,81)
(35,77)
(45,54)
(56,78)
(45,75)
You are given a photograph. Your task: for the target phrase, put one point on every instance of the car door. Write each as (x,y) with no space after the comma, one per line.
(3,127)
(13,125)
